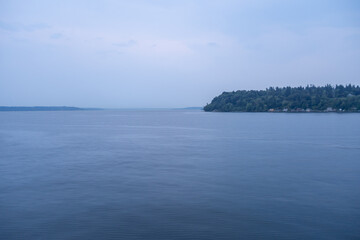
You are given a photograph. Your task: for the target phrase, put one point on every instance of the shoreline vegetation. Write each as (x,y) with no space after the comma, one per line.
(311,98)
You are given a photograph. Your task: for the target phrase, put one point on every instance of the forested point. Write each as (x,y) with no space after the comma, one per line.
(289,99)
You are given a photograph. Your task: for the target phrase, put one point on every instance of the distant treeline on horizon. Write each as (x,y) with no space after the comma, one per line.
(37,108)
(289,99)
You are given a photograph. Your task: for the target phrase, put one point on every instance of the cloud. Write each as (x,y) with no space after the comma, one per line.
(129,43)
(18,27)
(212,44)
(188,49)
(56,36)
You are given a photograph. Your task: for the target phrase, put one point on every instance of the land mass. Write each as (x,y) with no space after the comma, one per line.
(47,108)
(311,98)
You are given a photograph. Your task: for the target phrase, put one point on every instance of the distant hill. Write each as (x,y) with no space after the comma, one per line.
(62,108)
(289,99)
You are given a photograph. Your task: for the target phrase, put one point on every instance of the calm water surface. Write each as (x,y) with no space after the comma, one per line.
(179,175)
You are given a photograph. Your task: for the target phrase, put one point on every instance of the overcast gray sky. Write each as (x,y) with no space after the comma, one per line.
(161,53)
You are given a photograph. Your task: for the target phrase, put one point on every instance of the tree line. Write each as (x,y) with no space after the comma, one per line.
(298,99)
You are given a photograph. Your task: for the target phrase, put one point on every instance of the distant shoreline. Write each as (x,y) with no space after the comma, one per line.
(47,108)
(66,108)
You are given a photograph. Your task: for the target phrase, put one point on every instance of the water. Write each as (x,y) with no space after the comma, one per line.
(179,175)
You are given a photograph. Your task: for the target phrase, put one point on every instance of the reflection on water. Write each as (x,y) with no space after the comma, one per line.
(179,175)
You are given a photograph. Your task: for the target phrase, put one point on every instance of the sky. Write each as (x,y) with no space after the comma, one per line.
(168,54)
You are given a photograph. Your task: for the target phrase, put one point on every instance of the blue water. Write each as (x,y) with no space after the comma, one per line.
(179,175)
